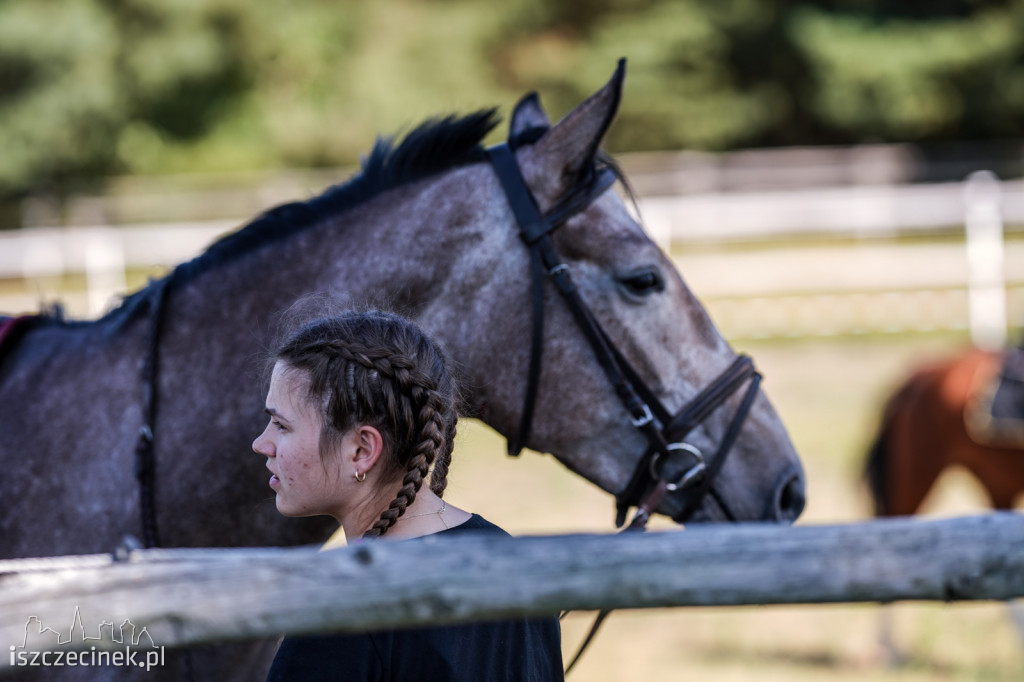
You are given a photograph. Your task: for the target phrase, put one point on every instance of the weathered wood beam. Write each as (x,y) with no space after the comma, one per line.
(195,596)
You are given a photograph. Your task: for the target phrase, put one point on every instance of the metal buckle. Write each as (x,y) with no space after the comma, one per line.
(558,269)
(687,476)
(644,420)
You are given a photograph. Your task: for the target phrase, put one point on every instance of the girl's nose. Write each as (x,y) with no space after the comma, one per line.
(262,446)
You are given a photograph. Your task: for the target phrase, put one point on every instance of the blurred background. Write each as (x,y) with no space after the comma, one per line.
(839,182)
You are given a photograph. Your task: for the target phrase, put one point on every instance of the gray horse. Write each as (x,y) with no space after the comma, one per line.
(426,227)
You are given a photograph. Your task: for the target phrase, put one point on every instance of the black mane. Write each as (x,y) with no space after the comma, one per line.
(434,146)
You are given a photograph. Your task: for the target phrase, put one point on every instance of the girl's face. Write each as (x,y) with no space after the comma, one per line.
(305,483)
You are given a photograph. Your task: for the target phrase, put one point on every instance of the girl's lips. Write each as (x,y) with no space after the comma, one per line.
(274,481)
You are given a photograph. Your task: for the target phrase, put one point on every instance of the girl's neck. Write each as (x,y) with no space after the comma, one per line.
(428,514)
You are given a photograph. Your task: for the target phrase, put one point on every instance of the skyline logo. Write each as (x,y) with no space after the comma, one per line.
(40,645)
(115,635)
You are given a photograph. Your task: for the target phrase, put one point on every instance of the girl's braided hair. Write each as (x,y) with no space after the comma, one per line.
(379,369)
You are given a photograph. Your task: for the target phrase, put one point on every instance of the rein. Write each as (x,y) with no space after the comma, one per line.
(664,432)
(145,452)
(11,331)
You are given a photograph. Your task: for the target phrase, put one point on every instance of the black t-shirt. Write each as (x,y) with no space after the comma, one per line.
(517,650)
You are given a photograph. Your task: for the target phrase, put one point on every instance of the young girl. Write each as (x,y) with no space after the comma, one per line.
(362,412)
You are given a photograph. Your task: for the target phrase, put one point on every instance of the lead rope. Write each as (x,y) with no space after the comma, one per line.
(650,502)
(637,525)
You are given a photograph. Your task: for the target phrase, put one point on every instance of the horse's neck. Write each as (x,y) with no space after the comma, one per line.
(388,252)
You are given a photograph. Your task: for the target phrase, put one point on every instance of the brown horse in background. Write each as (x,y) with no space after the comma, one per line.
(934,421)
(939,417)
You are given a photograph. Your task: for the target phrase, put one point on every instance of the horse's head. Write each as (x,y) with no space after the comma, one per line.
(643,312)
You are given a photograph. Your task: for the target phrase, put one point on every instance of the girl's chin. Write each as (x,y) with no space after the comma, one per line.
(285,509)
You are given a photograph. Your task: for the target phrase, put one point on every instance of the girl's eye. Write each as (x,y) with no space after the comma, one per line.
(278,424)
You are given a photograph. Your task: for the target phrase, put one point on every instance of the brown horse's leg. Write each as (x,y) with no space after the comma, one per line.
(911,449)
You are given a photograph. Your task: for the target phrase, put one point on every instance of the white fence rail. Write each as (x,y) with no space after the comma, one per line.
(862,211)
(188,597)
(53,251)
(830,290)
(843,211)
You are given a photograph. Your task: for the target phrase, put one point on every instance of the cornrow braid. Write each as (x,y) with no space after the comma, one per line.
(425,452)
(379,369)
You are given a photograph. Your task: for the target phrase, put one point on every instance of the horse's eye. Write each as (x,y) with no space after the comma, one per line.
(644,282)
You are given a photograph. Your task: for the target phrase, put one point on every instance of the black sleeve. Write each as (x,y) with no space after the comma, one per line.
(323,658)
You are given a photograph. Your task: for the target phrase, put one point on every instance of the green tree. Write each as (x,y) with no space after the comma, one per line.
(76,75)
(956,72)
(686,87)
(92,87)
(720,74)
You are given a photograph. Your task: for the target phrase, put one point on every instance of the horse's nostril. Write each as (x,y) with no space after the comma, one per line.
(791,499)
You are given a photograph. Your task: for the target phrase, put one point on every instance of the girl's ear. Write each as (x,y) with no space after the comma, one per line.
(369,446)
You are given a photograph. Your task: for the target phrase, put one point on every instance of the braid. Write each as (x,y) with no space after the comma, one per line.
(439,476)
(411,485)
(381,370)
(430,442)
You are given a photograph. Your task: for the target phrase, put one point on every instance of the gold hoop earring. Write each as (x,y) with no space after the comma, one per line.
(360,477)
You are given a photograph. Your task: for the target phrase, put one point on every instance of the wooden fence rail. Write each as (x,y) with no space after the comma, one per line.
(186,597)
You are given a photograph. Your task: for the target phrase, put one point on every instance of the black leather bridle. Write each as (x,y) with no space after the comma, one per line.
(664,432)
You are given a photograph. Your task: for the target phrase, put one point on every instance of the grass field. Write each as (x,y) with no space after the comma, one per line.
(829,393)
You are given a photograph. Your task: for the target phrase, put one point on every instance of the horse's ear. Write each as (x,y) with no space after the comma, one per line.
(528,115)
(570,146)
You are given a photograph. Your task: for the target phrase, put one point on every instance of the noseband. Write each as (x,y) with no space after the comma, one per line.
(664,432)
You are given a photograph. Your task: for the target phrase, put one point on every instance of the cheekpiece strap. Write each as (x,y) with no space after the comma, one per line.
(534,229)
(532,225)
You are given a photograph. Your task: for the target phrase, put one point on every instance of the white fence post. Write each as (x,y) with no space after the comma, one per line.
(104,268)
(986,287)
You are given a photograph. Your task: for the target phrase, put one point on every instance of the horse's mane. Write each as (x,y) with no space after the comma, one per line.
(434,146)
